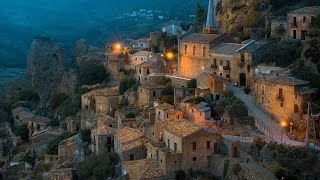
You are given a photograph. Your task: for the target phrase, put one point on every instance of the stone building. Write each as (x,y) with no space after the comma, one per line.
(143,43)
(211,86)
(182,93)
(181,145)
(129,144)
(167,111)
(73,124)
(106,121)
(72,149)
(34,122)
(172,28)
(126,117)
(283,96)
(102,138)
(96,103)
(62,174)
(199,113)
(143,170)
(234,61)
(149,93)
(299,21)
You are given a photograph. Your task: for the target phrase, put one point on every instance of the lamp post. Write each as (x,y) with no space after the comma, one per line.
(283,125)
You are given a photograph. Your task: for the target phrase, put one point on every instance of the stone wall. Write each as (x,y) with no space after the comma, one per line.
(299,26)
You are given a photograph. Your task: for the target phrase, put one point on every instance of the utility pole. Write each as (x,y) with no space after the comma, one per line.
(308,124)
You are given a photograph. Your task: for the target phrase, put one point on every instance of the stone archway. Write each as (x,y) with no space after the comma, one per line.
(243,79)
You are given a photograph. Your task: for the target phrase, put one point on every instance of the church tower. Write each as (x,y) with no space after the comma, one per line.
(210,26)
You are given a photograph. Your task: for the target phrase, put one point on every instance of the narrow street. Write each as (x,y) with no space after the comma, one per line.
(274,129)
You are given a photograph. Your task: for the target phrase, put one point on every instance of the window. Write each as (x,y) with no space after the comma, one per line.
(262,89)
(148,71)
(139,70)
(194,50)
(296,108)
(154,93)
(194,146)
(204,51)
(296,96)
(214,62)
(208,144)
(185,49)
(131,157)
(161,138)
(178,117)
(220,74)
(294,21)
(175,147)
(227,76)
(109,141)
(194,159)
(242,58)
(304,19)
(167,115)
(294,34)
(221,62)
(168,143)
(280,92)
(281,104)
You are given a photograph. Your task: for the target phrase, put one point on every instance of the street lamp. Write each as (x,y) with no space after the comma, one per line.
(118,46)
(169,55)
(283,125)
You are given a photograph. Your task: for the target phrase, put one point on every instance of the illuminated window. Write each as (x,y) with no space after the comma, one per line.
(194,50)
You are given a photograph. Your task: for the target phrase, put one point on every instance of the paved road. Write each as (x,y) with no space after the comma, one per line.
(272,126)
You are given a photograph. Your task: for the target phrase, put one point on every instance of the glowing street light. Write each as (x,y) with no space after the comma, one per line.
(118,46)
(169,55)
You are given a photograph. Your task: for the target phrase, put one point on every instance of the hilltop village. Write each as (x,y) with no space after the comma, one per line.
(179,104)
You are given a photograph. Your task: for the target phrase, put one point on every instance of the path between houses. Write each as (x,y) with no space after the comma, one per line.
(274,128)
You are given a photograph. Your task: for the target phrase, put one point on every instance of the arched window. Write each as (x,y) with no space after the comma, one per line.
(194,50)
(185,49)
(204,51)
(296,108)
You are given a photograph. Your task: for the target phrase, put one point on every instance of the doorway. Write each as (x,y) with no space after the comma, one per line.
(243,79)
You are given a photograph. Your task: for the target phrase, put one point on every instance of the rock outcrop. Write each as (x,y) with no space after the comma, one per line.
(84,52)
(45,66)
(68,83)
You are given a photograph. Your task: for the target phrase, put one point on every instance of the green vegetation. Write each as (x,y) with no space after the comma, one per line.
(200,18)
(168,92)
(92,73)
(301,71)
(130,115)
(57,99)
(54,144)
(181,175)
(29,158)
(23,132)
(282,53)
(29,95)
(127,83)
(256,147)
(86,135)
(97,166)
(192,83)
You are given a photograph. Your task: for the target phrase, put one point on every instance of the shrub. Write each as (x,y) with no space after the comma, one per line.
(28,95)
(97,166)
(192,83)
(23,132)
(126,84)
(29,158)
(247,90)
(54,144)
(167,99)
(86,135)
(181,175)
(91,73)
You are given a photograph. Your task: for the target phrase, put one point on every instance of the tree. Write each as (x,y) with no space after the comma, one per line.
(91,72)
(97,166)
(200,17)
(86,135)
(127,83)
(23,132)
(192,83)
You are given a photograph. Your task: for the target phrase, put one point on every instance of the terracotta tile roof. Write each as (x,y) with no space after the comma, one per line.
(199,37)
(307,10)
(127,134)
(143,169)
(131,145)
(146,65)
(281,79)
(103,130)
(152,86)
(165,106)
(103,92)
(105,120)
(182,128)
(142,53)
(76,139)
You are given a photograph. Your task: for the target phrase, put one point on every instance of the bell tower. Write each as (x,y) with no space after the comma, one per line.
(210,27)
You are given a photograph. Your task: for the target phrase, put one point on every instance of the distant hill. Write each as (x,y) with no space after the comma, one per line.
(70,20)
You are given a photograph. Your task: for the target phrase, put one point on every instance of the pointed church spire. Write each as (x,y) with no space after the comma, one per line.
(210,25)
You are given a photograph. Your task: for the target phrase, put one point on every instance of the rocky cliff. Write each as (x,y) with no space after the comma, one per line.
(46,65)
